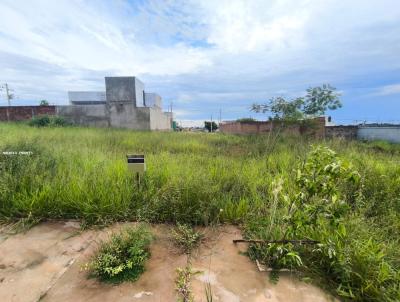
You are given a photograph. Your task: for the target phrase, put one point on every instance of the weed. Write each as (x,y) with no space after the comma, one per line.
(40,121)
(123,257)
(186,238)
(321,210)
(182,283)
(208,292)
(47,121)
(198,179)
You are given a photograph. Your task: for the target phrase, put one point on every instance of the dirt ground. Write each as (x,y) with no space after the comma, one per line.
(46,264)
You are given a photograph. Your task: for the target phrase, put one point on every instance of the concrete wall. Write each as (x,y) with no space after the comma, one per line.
(86,97)
(124,106)
(139,93)
(125,89)
(346,132)
(119,115)
(85,115)
(152,100)
(21,113)
(160,120)
(127,116)
(387,133)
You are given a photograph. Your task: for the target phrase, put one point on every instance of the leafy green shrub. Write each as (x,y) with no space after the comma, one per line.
(323,207)
(186,238)
(48,121)
(40,121)
(123,257)
(58,121)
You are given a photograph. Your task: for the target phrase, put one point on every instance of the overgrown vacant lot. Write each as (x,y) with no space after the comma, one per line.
(275,188)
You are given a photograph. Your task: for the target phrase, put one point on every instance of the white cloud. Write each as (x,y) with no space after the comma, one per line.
(202,55)
(75,34)
(240,26)
(184,98)
(389,90)
(181,113)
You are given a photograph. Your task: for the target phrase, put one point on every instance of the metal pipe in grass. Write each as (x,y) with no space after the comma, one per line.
(284,241)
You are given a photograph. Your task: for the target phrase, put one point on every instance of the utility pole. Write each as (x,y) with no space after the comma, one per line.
(211,124)
(9,97)
(8,94)
(220,115)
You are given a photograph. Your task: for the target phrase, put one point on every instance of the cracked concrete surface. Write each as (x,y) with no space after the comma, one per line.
(45,264)
(31,262)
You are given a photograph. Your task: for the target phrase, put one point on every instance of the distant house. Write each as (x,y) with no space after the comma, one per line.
(123,104)
(87,97)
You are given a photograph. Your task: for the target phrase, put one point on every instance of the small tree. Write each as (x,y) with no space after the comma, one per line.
(319,99)
(316,102)
(44,103)
(210,126)
(281,108)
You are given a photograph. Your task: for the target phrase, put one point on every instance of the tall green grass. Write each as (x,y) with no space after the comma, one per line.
(82,173)
(198,178)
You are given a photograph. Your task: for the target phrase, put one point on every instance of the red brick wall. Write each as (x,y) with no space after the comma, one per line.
(21,113)
(316,128)
(246,127)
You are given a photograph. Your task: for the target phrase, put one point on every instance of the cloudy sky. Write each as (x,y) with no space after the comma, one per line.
(207,57)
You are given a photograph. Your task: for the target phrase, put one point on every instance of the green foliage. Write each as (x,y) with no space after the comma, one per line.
(25,166)
(40,121)
(186,238)
(245,119)
(200,179)
(281,108)
(319,202)
(320,99)
(234,211)
(123,257)
(44,103)
(324,207)
(210,126)
(58,121)
(316,102)
(48,121)
(182,284)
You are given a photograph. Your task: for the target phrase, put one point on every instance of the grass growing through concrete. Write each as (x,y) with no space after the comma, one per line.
(201,179)
(186,239)
(182,284)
